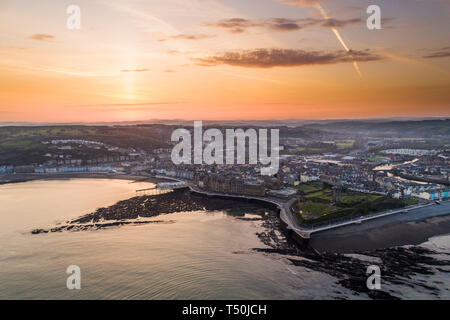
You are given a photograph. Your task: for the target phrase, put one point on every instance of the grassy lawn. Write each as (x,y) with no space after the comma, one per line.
(376,159)
(318,207)
(311,150)
(45,132)
(410,202)
(315,210)
(345,144)
(310,187)
(20,144)
(321,196)
(359,197)
(353,198)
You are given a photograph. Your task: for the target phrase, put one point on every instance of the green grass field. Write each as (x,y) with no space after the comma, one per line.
(345,144)
(311,150)
(376,159)
(318,206)
(310,187)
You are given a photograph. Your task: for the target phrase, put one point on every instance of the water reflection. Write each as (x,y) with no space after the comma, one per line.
(203,255)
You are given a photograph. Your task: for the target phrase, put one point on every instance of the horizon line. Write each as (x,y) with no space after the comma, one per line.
(412,118)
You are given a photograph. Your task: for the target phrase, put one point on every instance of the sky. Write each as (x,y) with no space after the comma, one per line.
(137,60)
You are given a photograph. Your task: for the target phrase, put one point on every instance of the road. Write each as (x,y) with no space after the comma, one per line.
(284,206)
(287,217)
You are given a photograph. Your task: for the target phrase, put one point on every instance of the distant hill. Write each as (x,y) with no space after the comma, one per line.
(23,145)
(231,123)
(423,128)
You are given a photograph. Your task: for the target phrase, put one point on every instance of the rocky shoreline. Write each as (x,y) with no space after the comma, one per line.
(148,207)
(400,266)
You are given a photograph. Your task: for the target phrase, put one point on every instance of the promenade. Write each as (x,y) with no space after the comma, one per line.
(284,206)
(286,215)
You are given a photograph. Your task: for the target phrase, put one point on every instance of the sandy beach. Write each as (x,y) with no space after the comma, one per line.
(412,228)
(16,178)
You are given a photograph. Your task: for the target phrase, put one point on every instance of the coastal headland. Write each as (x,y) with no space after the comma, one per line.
(137,210)
(398,264)
(399,229)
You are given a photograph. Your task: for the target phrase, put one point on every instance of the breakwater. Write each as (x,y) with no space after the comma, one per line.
(137,210)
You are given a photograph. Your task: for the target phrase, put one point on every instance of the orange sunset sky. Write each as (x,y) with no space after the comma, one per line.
(222,59)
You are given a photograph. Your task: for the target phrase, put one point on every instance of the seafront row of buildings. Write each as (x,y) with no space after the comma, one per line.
(384,175)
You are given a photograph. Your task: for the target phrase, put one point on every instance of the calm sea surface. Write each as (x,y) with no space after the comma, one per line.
(195,255)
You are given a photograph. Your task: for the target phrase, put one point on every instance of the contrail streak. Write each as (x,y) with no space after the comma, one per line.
(338,36)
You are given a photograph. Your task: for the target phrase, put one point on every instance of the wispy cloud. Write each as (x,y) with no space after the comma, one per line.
(336,23)
(42,37)
(189,37)
(441,53)
(304,3)
(412,61)
(269,58)
(139,104)
(6,112)
(134,70)
(239,25)
(333,25)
